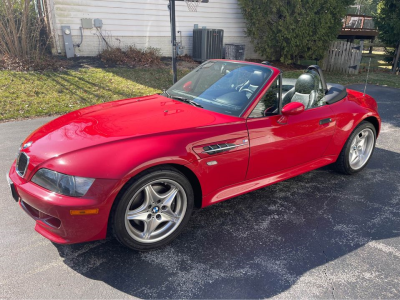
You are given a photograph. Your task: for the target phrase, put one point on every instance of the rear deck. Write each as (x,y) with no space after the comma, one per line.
(358,27)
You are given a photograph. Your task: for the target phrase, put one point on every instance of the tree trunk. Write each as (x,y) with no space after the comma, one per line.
(396,60)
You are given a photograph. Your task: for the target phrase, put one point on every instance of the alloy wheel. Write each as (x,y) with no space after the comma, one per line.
(361,148)
(155,211)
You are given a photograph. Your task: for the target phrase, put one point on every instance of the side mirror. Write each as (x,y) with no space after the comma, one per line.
(293,108)
(187,86)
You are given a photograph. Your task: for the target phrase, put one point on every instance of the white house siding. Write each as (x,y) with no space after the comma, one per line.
(145,23)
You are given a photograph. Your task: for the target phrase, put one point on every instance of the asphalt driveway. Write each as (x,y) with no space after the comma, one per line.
(319,235)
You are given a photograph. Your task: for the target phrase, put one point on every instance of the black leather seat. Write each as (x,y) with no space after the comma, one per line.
(305,90)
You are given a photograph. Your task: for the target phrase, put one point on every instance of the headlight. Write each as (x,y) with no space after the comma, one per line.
(62,184)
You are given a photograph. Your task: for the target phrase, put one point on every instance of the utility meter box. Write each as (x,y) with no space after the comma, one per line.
(69,45)
(87,23)
(98,23)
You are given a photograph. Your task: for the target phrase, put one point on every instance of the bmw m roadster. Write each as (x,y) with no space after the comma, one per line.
(137,168)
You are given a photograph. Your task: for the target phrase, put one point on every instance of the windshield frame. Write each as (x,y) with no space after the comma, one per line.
(269,73)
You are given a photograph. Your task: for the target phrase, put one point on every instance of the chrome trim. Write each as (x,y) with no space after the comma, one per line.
(222,148)
(26,167)
(27,145)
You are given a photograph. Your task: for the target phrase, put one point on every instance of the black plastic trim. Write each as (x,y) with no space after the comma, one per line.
(219,148)
(325,121)
(336,92)
(14,192)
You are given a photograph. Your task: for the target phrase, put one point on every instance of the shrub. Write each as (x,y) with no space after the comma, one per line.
(293,29)
(388,22)
(23,35)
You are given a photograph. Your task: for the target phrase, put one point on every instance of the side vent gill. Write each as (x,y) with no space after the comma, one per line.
(219,148)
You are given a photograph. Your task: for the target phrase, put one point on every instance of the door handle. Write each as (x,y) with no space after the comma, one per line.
(325,121)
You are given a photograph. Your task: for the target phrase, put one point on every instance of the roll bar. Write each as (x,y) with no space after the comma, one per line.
(321,75)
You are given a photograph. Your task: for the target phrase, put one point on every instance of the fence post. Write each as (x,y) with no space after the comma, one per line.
(396,60)
(359,58)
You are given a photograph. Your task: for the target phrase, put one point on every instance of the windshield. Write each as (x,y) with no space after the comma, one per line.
(221,86)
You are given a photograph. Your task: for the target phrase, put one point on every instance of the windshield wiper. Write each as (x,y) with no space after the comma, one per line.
(186,101)
(182,99)
(166,93)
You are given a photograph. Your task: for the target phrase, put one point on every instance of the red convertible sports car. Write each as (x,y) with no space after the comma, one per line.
(137,168)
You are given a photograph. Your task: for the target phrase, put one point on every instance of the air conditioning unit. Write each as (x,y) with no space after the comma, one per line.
(235,51)
(207,43)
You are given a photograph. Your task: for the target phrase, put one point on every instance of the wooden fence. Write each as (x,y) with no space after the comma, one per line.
(343,57)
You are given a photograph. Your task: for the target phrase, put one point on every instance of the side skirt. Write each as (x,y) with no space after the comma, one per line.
(260,182)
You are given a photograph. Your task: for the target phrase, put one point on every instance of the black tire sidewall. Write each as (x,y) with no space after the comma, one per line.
(363,125)
(118,223)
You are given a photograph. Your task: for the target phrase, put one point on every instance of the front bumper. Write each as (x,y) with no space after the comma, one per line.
(52,212)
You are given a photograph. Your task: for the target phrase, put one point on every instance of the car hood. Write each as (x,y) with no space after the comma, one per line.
(114,121)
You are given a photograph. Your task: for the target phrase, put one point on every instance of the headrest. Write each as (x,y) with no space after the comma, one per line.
(256,78)
(305,84)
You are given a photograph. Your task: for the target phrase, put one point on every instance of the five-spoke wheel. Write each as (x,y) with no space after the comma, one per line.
(153,210)
(361,148)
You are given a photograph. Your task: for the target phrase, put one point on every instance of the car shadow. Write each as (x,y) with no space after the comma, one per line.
(259,244)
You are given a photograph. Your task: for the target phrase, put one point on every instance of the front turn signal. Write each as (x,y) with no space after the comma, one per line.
(82,212)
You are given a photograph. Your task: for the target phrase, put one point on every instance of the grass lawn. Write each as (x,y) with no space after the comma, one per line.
(377,60)
(24,95)
(30,94)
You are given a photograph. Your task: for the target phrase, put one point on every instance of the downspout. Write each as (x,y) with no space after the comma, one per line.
(43,10)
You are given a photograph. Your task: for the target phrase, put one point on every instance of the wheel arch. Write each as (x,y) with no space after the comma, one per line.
(374,121)
(189,174)
(371,119)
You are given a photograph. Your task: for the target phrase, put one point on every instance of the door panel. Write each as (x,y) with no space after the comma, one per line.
(275,147)
(227,169)
(222,162)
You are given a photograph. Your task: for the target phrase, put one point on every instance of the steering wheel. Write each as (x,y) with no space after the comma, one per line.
(247,91)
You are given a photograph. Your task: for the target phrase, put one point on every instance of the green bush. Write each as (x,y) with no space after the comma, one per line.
(293,29)
(388,22)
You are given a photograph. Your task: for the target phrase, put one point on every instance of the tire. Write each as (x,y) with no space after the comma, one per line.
(153,210)
(361,144)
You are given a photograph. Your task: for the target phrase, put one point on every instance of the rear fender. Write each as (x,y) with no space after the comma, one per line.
(349,114)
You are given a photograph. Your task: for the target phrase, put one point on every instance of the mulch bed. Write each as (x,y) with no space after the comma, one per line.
(60,63)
